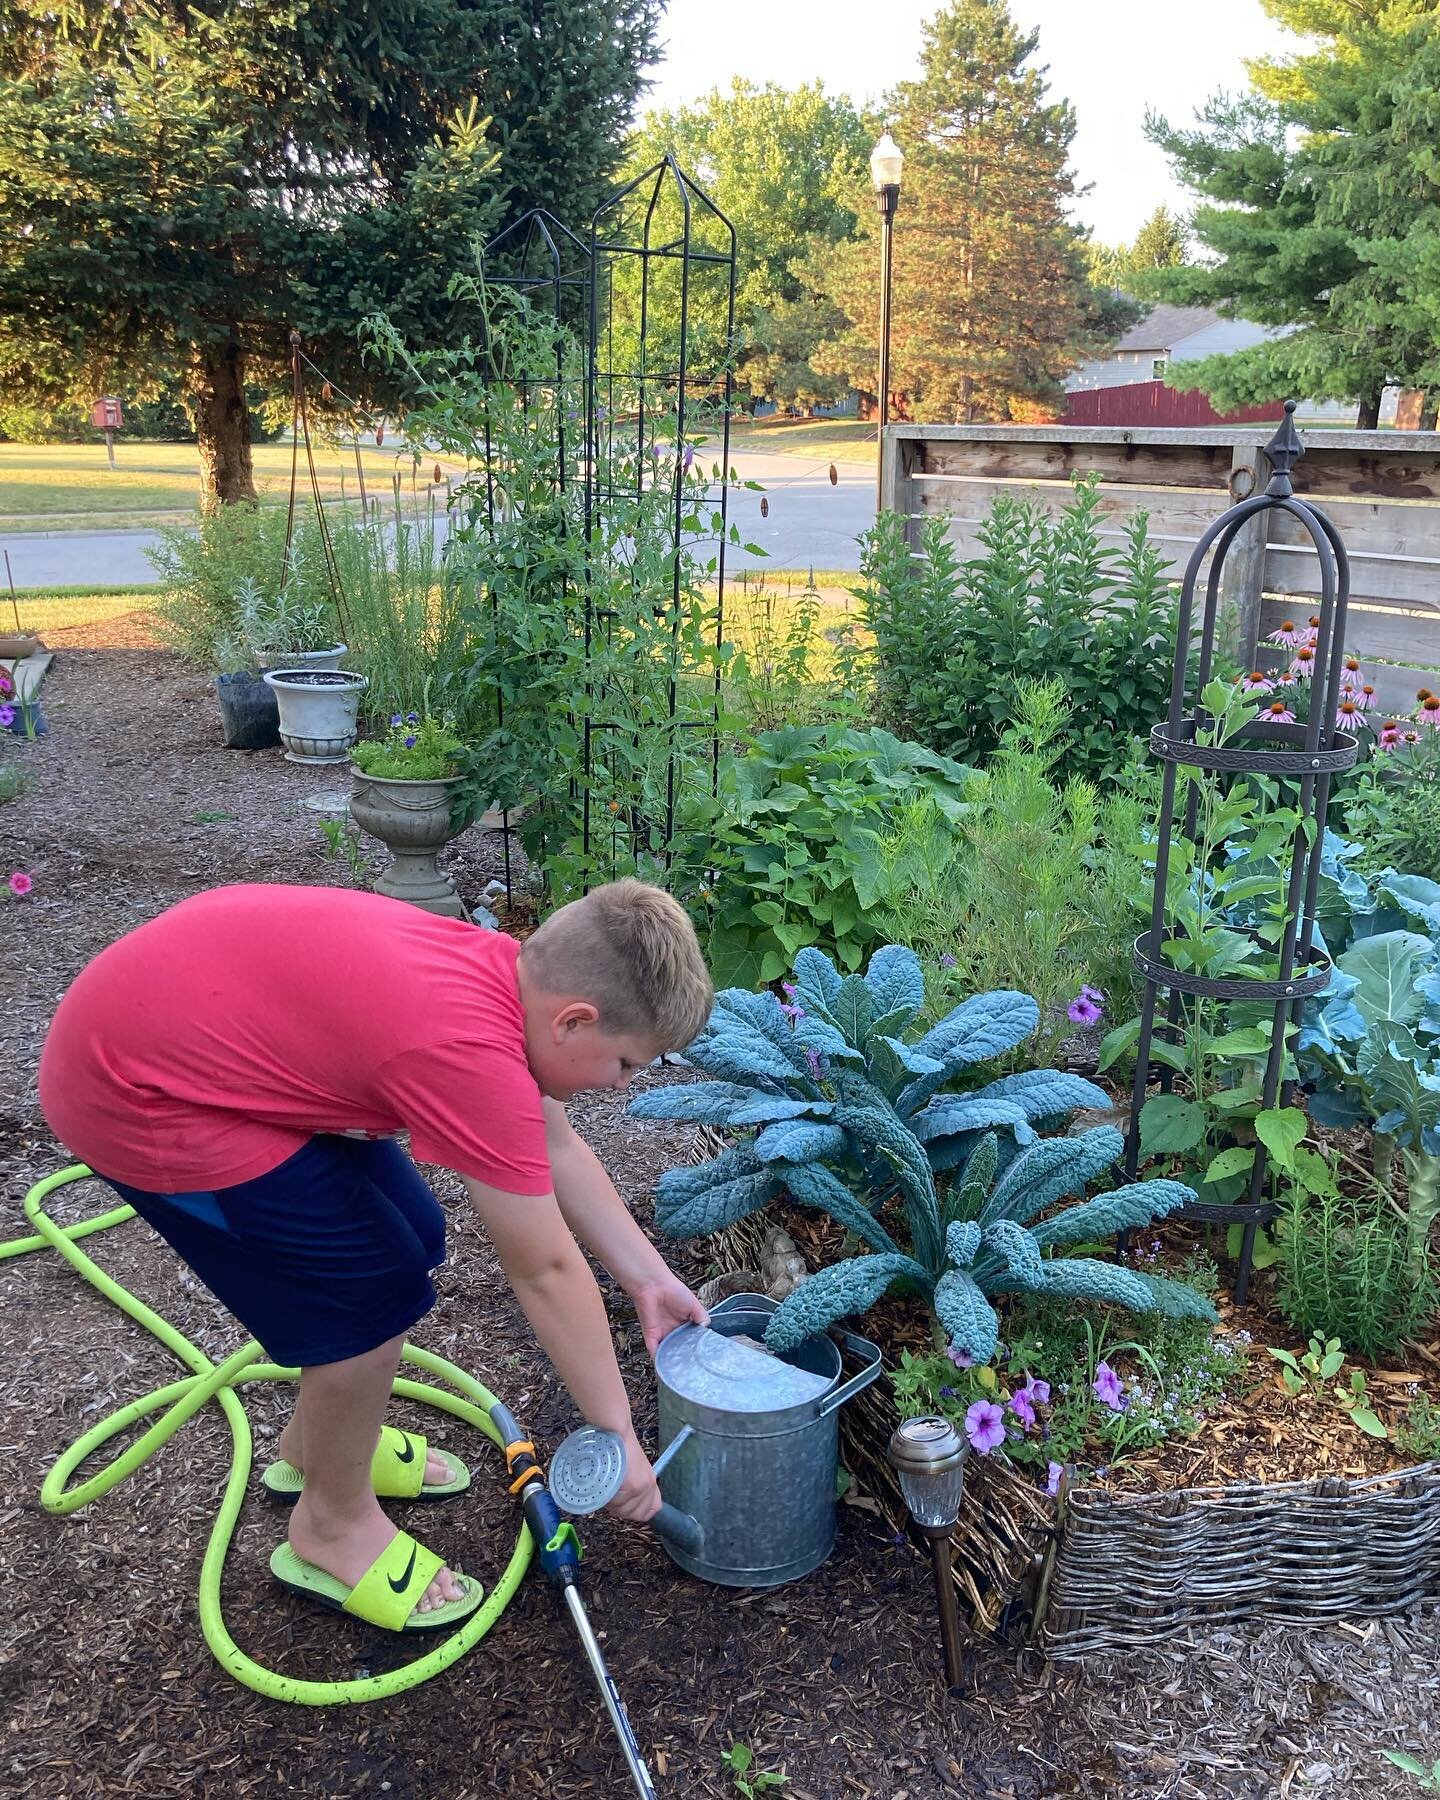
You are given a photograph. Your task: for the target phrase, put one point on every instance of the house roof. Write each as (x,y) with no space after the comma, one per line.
(1166,326)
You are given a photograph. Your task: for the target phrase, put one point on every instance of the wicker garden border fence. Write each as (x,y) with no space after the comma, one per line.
(1380,488)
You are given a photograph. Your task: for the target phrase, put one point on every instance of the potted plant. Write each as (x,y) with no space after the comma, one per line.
(318,712)
(249,715)
(287,631)
(405,792)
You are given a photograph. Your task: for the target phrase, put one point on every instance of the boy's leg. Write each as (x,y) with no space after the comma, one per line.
(291,1446)
(337,1523)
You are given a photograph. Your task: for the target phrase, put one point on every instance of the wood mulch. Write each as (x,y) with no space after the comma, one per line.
(107,1686)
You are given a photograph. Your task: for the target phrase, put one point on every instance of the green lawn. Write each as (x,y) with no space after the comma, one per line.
(56,487)
(822,440)
(60,608)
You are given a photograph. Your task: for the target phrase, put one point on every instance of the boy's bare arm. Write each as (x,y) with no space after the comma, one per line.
(602,1222)
(558,1292)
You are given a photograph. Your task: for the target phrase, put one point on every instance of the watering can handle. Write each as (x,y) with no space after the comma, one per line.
(683,1529)
(870,1355)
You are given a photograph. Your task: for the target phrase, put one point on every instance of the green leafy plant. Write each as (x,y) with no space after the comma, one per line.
(795,659)
(1047,599)
(1041,886)
(1418,1434)
(787,856)
(739,1759)
(1312,1368)
(1354,1401)
(343,841)
(1426,1774)
(851,1119)
(1347,1272)
(286,621)
(414,749)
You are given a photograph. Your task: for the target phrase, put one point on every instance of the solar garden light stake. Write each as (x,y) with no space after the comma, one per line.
(929,1456)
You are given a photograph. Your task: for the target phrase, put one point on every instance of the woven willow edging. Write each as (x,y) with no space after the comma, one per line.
(1133,1570)
(1108,1571)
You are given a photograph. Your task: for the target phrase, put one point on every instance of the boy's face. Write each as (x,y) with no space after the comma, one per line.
(568,1051)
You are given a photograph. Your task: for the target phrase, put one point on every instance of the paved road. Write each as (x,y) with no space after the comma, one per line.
(810,525)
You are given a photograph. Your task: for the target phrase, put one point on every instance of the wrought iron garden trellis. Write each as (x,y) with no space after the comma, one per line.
(1307,754)
(640,375)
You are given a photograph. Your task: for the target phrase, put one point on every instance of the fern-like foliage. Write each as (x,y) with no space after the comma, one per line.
(847,1113)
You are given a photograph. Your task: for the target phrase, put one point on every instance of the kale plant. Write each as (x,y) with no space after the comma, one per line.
(845,1114)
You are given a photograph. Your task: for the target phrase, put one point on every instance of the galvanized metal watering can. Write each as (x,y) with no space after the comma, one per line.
(749,1448)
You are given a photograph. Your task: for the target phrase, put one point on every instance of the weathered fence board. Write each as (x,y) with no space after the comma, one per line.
(1382,489)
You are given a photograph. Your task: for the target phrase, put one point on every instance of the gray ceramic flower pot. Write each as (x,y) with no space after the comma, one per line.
(318,711)
(412,819)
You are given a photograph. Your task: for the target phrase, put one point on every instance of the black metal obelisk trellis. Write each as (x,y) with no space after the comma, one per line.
(651,297)
(1307,755)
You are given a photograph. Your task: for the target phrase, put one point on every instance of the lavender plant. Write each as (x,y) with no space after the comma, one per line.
(952,1191)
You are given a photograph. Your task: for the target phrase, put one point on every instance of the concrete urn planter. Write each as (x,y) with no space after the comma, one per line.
(412,819)
(318,712)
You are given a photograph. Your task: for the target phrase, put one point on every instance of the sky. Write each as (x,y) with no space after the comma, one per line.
(1110,58)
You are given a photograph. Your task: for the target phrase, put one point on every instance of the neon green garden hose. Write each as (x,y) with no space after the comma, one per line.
(209,1381)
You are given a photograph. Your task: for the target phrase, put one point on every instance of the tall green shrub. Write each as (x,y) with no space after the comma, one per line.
(1049,599)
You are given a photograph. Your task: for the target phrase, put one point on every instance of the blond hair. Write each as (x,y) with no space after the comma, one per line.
(631,951)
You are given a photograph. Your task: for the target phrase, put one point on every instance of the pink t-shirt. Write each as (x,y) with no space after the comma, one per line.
(207,1046)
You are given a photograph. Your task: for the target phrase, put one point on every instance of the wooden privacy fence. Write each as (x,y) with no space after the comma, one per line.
(1382,489)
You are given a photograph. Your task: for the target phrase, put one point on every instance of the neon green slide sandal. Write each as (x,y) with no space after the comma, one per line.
(397,1470)
(389,1590)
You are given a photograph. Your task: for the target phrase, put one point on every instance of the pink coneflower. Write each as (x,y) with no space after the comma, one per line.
(1429,713)
(1312,630)
(1410,737)
(1350,672)
(1284,679)
(7,686)
(1277,713)
(1364,696)
(1256,682)
(1303,666)
(20,884)
(1348,716)
(1389,735)
(1287,633)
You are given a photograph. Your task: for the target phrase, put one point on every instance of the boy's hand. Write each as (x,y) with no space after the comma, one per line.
(639,1496)
(663,1303)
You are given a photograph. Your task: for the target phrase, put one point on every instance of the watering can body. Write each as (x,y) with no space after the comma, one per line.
(756,1459)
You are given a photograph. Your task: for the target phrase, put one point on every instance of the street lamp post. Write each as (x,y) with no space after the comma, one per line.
(886,165)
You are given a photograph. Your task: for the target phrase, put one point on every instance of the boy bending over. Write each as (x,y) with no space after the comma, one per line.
(235,1068)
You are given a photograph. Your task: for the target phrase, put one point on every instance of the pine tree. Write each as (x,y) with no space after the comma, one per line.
(992,304)
(1326,208)
(1162,242)
(182,184)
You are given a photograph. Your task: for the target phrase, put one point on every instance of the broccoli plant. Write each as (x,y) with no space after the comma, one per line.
(844,1113)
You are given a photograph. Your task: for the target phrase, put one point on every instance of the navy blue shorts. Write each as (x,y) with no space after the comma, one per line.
(323,1258)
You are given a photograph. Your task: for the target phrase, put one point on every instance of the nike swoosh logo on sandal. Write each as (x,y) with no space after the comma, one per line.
(399,1587)
(406,1453)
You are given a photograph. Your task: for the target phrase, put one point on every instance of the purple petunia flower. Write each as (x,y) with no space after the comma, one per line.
(7,716)
(412,718)
(1022,1409)
(1052,1478)
(1037,1392)
(395,719)
(1108,1387)
(410,741)
(985,1426)
(962,1359)
(1082,1010)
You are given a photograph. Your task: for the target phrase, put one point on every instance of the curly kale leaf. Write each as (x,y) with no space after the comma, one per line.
(842,1291)
(1123,1209)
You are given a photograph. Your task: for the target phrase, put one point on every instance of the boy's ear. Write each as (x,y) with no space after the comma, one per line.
(571,1016)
